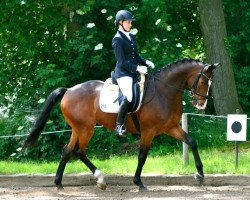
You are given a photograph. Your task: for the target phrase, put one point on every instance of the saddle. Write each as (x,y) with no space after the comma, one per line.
(111,96)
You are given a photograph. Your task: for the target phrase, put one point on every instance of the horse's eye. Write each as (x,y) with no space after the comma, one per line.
(204,83)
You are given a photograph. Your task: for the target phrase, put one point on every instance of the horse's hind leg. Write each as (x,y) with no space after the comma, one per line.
(65,157)
(81,153)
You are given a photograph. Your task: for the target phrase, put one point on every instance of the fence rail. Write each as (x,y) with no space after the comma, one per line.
(43,133)
(185,128)
(184,123)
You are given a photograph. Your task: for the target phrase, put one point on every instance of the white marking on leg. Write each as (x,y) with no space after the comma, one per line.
(99,176)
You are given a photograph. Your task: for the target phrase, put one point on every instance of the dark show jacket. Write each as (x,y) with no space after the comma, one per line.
(127,57)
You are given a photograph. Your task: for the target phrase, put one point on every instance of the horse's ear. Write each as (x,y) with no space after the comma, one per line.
(211,67)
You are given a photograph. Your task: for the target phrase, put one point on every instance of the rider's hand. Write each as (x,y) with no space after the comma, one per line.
(142,69)
(150,64)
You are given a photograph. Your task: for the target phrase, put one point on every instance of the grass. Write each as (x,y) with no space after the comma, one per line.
(214,161)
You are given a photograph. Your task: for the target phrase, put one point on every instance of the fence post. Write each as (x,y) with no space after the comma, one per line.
(184,125)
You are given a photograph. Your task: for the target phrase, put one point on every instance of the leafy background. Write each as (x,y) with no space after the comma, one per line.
(46,44)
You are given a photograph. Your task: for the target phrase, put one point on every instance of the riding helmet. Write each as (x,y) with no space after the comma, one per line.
(123,15)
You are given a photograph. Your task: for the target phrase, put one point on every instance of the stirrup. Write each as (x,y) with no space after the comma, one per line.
(120,129)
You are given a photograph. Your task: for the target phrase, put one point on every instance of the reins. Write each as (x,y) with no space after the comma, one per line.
(156,78)
(193,88)
(177,88)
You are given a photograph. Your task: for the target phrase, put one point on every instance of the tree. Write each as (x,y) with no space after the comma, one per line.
(237,16)
(214,32)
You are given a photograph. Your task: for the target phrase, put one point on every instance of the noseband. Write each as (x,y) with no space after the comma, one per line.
(195,84)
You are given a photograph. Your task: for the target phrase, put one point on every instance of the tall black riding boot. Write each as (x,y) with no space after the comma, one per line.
(120,121)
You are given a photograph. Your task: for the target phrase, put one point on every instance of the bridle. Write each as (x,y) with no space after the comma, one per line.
(193,88)
(196,81)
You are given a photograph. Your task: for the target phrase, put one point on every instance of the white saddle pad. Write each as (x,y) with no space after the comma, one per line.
(110,92)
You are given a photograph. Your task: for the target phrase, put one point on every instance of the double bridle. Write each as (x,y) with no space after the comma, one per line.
(195,84)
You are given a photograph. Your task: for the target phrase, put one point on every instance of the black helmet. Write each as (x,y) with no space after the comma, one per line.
(124,15)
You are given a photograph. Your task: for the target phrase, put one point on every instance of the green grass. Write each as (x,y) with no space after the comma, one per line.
(214,161)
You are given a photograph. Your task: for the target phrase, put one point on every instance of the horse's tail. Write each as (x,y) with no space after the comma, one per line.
(41,120)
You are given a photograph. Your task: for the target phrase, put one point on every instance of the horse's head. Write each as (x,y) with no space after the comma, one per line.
(199,84)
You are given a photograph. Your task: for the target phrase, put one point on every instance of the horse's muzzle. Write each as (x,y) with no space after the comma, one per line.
(200,104)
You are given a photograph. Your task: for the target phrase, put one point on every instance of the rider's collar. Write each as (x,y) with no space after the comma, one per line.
(125,32)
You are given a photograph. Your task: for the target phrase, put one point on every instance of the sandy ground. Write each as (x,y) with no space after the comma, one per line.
(121,187)
(127,192)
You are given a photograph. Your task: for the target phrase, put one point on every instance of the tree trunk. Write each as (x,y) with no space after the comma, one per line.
(214,33)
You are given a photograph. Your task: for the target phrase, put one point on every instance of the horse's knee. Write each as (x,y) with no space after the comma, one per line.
(190,141)
(193,144)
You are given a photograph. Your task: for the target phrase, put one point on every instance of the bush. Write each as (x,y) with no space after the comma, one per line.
(209,132)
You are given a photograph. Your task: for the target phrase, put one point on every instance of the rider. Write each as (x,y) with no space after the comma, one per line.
(128,63)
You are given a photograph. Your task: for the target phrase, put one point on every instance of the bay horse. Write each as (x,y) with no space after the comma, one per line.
(160,113)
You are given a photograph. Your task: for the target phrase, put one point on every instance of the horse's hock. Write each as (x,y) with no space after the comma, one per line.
(87,179)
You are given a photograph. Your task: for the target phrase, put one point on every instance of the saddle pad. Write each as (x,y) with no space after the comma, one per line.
(109,94)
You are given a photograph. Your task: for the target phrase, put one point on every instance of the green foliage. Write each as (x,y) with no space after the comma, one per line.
(243,82)
(50,44)
(238,20)
(209,132)
(9,127)
(46,44)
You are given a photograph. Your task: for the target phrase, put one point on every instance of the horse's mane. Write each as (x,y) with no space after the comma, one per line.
(178,62)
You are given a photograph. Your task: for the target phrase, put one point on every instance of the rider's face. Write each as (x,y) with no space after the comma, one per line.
(127,25)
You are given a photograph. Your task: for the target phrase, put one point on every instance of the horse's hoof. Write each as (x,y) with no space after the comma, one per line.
(101,186)
(199,178)
(60,187)
(143,189)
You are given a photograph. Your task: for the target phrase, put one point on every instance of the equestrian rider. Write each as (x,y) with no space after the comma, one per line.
(128,64)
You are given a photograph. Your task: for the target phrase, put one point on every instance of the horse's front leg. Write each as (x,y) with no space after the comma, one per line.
(199,176)
(144,148)
(141,161)
(179,133)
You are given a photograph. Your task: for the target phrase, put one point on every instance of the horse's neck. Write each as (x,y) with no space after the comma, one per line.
(173,81)
(175,78)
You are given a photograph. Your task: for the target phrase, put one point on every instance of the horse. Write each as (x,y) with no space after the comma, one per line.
(159,113)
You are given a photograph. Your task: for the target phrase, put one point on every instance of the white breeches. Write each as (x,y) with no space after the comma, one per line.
(125,83)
